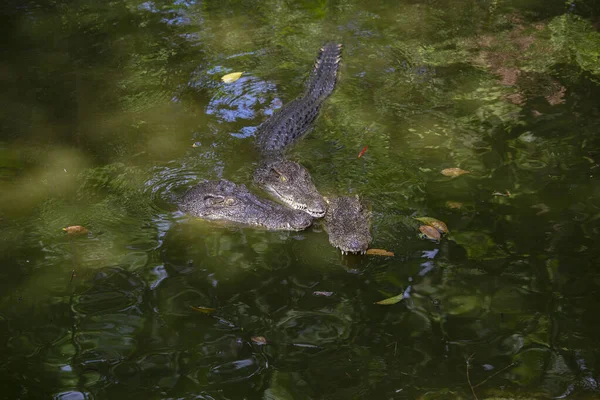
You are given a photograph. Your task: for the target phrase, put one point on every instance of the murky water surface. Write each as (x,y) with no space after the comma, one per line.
(110,110)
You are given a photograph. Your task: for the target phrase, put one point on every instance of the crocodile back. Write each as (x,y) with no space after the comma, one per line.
(322,80)
(295,118)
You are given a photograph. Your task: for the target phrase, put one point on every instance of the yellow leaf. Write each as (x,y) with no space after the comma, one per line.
(204,310)
(430,232)
(454,172)
(380,252)
(436,223)
(232,77)
(75,230)
(260,340)
(391,300)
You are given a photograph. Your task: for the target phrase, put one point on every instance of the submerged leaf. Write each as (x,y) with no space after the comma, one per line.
(454,172)
(326,294)
(454,204)
(75,230)
(362,151)
(204,310)
(430,232)
(436,223)
(380,252)
(232,77)
(391,300)
(260,340)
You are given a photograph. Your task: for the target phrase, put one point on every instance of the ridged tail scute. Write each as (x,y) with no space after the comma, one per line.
(323,77)
(296,118)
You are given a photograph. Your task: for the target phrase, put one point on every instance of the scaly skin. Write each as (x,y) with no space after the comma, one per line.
(296,117)
(287,181)
(291,183)
(347,222)
(226,201)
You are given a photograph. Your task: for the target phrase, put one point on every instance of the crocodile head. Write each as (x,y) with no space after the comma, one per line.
(226,201)
(291,183)
(348,223)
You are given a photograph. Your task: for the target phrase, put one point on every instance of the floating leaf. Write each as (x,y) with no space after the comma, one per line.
(391,300)
(326,294)
(362,151)
(454,172)
(454,204)
(232,77)
(75,230)
(505,194)
(436,223)
(260,340)
(380,252)
(430,232)
(204,310)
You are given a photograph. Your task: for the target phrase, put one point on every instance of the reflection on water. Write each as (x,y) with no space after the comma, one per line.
(112,110)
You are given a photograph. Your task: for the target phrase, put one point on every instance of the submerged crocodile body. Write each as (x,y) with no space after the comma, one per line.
(296,118)
(346,220)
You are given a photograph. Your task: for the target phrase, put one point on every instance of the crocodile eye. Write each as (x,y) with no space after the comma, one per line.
(278,175)
(210,199)
(230,201)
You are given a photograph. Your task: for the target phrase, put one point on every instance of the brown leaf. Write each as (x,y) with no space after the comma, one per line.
(430,232)
(260,340)
(454,172)
(436,223)
(380,252)
(204,310)
(75,230)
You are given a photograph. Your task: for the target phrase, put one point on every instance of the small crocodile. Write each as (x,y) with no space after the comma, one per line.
(347,222)
(224,200)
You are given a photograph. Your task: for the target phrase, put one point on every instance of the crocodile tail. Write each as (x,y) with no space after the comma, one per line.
(323,76)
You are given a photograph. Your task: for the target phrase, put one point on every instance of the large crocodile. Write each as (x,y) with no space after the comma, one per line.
(346,220)
(224,200)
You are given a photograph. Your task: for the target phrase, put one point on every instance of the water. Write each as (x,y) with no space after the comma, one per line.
(112,109)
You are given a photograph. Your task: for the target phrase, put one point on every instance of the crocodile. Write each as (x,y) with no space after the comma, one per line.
(224,200)
(347,222)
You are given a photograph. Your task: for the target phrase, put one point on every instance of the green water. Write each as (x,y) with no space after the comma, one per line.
(112,109)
